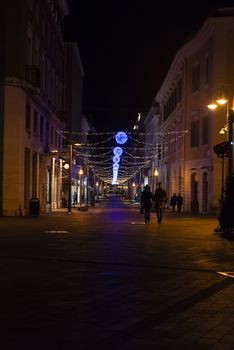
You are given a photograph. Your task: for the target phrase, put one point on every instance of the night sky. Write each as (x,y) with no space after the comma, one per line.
(126,49)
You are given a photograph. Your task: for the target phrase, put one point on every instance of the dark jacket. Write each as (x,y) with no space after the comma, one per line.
(173,200)
(160,196)
(179,200)
(146,198)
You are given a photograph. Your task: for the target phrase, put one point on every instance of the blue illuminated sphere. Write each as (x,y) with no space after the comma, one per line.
(118,151)
(116,159)
(121,137)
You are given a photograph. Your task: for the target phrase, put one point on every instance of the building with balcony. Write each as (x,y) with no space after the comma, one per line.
(186,130)
(31,102)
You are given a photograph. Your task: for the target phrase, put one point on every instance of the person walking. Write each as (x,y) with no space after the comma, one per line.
(160,199)
(146,202)
(173,201)
(75,198)
(180,201)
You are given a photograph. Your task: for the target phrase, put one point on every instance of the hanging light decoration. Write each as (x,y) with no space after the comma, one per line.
(118,151)
(121,137)
(116,159)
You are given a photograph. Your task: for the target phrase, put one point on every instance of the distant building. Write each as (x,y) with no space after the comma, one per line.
(186,130)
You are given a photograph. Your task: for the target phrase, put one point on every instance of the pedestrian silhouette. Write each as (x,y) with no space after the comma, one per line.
(173,201)
(146,202)
(160,198)
(180,201)
(75,198)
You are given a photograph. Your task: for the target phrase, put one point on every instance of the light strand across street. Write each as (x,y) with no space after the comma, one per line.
(125,161)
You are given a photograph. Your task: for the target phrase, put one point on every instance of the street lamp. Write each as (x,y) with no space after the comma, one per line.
(226,219)
(133,190)
(156,173)
(80,188)
(97,190)
(69,205)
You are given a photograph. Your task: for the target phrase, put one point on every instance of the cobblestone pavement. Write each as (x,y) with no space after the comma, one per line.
(101,279)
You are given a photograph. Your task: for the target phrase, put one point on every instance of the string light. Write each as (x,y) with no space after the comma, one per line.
(132,162)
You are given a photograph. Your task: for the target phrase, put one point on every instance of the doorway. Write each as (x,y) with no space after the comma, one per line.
(194,193)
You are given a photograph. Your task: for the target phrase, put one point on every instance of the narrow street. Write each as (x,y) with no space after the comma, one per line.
(101,279)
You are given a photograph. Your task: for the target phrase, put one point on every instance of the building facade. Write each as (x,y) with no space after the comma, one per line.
(31,101)
(186,129)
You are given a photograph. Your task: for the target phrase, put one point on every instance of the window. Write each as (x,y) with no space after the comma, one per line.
(37,53)
(194,142)
(29,46)
(195,78)
(43,73)
(34,174)
(28,116)
(59,141)
(159,152)
(37,11)
(51,135)
(41,128)
(205,130)
(207,70)
(35,122)
(179,90)
(47,140)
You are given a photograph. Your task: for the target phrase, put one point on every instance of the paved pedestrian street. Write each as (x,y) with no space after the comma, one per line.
(102,279)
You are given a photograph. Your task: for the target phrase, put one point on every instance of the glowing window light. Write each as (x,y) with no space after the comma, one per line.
(121,137)
(116,159)
(118,151)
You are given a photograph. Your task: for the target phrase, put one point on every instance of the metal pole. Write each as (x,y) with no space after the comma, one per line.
(69,180)
(230,140)
(222,189)
(80,197)
(87,185)
(152,174)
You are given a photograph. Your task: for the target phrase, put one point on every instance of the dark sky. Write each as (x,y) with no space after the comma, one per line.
(126,49)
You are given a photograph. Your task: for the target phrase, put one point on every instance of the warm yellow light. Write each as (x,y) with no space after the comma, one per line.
(81,172)
(156,172)
(66,166)
(212,106)
(222,131)
(133,185)
(97,183)
(221,101)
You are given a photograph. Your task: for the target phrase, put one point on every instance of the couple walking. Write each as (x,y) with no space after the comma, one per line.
(159,199)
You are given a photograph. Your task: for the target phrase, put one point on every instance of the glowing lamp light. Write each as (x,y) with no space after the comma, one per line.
(116,159)
(221,101)
(115,166)
(66,166)
(118,151)
(212,106)
(121,137)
